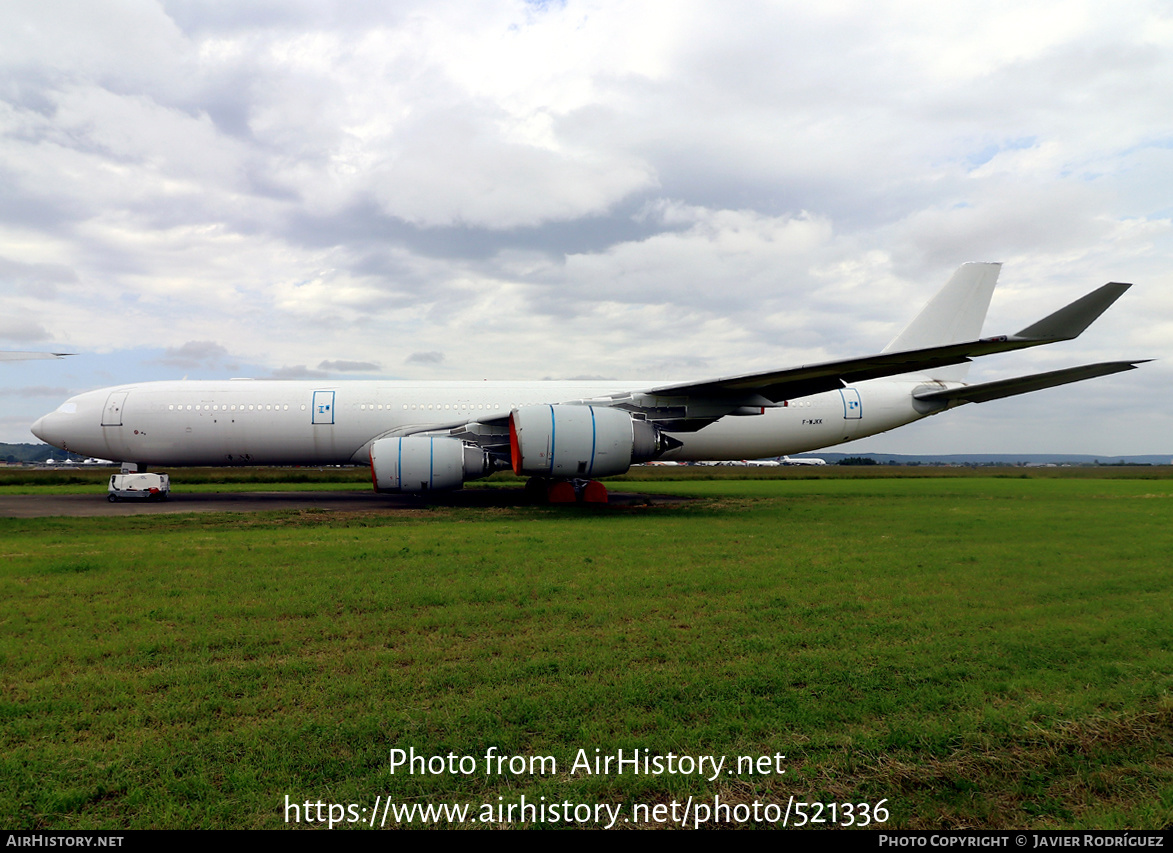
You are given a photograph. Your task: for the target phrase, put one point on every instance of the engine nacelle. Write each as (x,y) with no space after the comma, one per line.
(579,441)
(426,463)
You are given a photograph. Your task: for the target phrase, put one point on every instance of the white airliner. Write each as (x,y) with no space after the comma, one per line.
(421,436)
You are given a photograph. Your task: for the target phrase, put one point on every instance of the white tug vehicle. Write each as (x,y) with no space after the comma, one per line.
(139,487)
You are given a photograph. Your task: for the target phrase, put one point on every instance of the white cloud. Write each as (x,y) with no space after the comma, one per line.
(574,188)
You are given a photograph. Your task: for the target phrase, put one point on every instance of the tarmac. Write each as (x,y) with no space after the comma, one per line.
(80,506)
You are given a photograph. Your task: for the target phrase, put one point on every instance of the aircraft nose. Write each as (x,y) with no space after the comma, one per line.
(48,429)
(64,427)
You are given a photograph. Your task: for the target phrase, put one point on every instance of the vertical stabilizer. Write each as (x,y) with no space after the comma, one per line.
(954,315)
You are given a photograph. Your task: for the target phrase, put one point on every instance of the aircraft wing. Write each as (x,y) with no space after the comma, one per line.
(688,407)
(755,389)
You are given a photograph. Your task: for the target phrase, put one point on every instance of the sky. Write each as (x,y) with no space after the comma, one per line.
(527,190)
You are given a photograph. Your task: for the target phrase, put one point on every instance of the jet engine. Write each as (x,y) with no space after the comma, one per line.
(580,441)
(426,463)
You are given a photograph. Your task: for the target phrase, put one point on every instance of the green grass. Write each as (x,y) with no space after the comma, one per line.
(978,651)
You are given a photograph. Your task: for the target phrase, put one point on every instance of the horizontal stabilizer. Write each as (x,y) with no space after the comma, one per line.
(1024,384)
(1069,322)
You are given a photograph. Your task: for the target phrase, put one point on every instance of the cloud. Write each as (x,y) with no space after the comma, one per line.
(349,366)
(298,371)
(38,281)
(38,391)
(586,377)
(425,358)
(515,190)
(18,329)
(194,354)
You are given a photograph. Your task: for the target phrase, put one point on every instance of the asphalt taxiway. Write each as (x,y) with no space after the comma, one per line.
(78,506)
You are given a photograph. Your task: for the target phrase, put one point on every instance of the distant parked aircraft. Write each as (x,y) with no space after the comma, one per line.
(15,355)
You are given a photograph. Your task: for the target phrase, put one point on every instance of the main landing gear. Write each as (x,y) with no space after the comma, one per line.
(541,490)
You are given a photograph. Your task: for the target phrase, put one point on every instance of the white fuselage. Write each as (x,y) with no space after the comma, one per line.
(282,422)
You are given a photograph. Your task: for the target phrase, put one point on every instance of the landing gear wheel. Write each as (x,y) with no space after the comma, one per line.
(594,492)
(542,490)
(535,490)
(561,492)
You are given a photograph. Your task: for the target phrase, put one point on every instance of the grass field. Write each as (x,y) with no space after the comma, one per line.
(974,651)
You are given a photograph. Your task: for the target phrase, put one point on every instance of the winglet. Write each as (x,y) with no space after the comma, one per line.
(1070,321)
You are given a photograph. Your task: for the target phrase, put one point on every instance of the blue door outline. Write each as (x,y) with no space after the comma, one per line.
(852,405)
(323,409)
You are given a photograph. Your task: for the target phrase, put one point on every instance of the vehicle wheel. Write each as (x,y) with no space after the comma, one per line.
(112,498)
